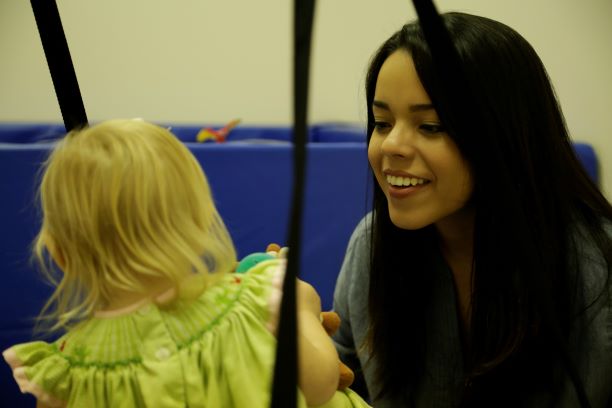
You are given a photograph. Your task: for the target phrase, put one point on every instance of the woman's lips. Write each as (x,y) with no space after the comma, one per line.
(405,191)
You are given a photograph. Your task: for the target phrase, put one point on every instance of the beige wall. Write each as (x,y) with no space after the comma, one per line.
(208,61)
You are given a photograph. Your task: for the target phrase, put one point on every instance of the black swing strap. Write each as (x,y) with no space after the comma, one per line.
(284,387)
(60,64)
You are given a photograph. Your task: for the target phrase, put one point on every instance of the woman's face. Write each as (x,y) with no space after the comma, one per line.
(417,165)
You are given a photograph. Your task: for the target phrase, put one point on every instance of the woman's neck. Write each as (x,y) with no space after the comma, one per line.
(457,245)
(456,234)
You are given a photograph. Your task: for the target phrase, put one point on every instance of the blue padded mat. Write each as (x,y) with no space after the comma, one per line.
(251,180)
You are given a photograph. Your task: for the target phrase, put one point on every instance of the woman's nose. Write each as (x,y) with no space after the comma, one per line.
(399,142)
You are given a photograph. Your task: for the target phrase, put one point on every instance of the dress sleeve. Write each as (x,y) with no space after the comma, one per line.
(40,370)
(264,283)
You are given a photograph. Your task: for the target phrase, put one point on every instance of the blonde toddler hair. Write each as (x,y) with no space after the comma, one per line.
(122,202)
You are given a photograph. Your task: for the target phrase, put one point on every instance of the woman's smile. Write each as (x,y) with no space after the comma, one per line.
(400,184)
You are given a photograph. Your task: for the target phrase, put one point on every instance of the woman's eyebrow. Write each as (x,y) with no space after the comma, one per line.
(380,105)
(421,107)
(413,108)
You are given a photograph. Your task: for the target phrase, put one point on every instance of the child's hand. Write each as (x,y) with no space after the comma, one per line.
(318,358)
(308,299)
(331,323)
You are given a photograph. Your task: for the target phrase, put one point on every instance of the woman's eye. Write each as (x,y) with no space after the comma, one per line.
(432,128)
(381,126)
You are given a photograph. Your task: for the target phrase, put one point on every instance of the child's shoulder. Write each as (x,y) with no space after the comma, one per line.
(117,339)
(254,295)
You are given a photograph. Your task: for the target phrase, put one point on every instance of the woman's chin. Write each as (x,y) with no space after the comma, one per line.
(408,222)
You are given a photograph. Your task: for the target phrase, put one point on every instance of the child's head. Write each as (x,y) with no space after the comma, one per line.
(124,202)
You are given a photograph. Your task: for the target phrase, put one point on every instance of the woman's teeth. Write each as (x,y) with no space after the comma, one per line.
(405,181)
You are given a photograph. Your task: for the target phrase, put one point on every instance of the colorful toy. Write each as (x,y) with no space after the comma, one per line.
(251,260)
(273,251)
(218,136)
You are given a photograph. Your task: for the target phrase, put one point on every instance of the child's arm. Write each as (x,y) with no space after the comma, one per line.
(318,360)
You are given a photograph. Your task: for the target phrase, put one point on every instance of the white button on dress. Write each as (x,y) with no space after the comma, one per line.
(162,354)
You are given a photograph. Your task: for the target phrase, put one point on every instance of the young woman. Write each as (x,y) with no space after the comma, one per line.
(482,276)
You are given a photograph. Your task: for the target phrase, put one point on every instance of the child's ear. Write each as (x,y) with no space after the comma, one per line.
(55,251)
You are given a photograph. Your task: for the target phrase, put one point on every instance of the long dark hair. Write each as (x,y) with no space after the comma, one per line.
(531,198)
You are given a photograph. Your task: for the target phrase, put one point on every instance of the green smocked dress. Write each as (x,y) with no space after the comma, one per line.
(212,352)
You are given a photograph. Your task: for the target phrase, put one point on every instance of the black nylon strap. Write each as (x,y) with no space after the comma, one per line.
(60,64)
(284,387)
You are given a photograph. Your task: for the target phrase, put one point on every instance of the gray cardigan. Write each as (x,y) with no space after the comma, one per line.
(444,366)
